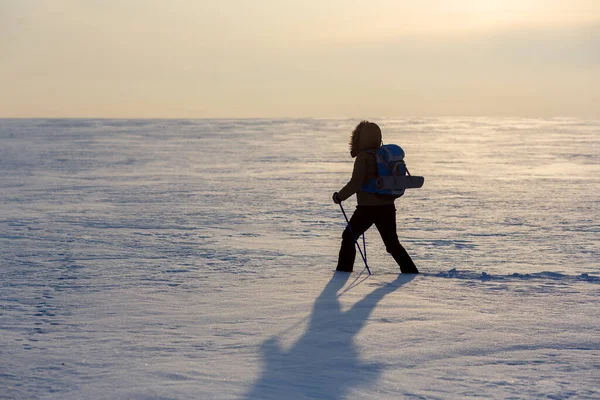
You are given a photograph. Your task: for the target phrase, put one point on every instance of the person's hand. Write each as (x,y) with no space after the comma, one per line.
(336,198)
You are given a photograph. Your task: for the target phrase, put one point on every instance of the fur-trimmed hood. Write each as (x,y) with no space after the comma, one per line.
(366,136)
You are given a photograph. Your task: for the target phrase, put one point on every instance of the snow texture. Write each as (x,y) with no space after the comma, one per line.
(193,259)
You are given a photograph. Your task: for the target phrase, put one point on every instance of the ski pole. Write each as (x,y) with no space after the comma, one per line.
(365,246)
(356,239)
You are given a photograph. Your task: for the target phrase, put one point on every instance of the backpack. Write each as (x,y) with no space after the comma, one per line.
(390,165)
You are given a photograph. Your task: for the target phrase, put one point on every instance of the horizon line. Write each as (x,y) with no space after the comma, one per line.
(308,117)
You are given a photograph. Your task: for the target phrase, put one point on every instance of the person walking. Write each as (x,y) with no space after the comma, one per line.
(372,208)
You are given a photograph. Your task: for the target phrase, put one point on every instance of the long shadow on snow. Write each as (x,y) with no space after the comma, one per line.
(324,363)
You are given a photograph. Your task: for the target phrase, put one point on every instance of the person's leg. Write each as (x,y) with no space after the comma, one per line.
(360,221)
(385,221)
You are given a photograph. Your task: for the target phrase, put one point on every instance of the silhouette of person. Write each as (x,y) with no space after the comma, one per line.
(372,208)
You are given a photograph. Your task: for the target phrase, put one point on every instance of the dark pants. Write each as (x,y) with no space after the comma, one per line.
(384,218)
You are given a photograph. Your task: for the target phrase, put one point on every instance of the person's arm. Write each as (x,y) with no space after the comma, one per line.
(359,174)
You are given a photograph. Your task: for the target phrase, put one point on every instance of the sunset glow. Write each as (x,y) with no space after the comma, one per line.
(264,58)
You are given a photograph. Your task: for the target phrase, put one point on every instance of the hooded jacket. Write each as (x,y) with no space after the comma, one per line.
(367,136)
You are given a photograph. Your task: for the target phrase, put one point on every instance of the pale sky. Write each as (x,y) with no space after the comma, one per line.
(299,58)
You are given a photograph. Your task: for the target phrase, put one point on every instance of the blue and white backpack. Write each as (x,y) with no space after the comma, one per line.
(392,179)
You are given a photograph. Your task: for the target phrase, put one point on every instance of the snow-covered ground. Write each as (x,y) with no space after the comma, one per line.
(193,259)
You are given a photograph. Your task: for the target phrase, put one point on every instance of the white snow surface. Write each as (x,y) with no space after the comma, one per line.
(194,259)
